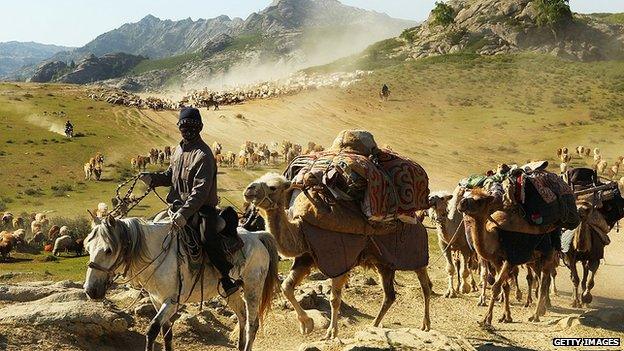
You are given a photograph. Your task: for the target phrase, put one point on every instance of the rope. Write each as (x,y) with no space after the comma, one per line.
(448,245)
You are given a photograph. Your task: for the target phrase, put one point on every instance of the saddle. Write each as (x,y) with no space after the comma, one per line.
(212,224)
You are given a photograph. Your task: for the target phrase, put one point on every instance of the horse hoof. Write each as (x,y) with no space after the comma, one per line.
(505,319)
(576,304)
(519,296)
(425,327)
(330,334)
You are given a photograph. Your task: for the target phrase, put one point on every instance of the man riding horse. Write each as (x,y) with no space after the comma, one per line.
(192,176)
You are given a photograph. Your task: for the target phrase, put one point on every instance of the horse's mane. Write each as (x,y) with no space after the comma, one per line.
(126,237)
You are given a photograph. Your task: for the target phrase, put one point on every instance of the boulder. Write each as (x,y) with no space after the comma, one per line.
(24,293)
(321,319)
(81,317)
(145,310)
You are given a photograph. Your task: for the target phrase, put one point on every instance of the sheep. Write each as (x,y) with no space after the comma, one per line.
(53,233)
(7,219)
(580,150)
(64,231)
(602,167)
(102,210)
(61,244)
(20,234)
(19,223)
(37,239)
(6,245)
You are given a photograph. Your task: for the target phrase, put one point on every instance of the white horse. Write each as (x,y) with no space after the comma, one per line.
(147,253)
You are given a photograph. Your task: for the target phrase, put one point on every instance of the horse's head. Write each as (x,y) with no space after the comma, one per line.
(106,245)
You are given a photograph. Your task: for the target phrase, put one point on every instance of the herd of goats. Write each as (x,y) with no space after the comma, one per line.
(209,98)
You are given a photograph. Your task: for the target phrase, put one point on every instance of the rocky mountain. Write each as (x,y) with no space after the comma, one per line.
(285,36)
(88,70)
(14,55)
(491,27)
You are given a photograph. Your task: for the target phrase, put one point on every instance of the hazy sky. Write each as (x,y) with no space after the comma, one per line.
(76,22)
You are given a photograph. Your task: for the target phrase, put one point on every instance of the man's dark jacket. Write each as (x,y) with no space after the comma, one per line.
(192,176)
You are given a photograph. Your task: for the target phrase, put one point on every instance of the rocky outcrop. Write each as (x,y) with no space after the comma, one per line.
(491,27)
(14,55)
(62,305)
(94,68)
(49,71)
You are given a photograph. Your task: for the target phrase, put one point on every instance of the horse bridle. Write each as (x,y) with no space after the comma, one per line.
(111,271)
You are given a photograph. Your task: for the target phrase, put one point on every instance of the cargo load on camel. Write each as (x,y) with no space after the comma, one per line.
(600,206)
(386,187)
(543,199)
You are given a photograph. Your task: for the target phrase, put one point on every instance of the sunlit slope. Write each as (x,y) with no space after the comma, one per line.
(455,115)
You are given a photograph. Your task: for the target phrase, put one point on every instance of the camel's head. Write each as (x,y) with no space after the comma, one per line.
(477,203)
(268,192)
(438,205)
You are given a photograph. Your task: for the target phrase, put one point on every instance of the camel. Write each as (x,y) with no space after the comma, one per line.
(452,240)
(271,194)
(611,212)
(481,218)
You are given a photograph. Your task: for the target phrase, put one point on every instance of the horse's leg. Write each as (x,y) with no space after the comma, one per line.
(300,269)
(464,270)
(335,300)
(502,276)
(423,278)
(592,267)
(167,332)
(585,265)
(576,302)
(237,305)
(166,311)
(450,271)
(252,302)
(386,276)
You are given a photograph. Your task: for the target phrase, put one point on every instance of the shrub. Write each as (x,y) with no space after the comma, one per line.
(443,14)
(409,34)
(552,12)
(33,191)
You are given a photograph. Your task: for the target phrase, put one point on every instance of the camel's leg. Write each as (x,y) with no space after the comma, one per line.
(506,317)
(237,305)
(336,299)
(464,269)
(576,301)
(502,276)
(515,273)
(386,276)
(529,279)
(450,271)
(592,267)
(553,273)
(167,333)
(484,274)
(300,269)
(423,278)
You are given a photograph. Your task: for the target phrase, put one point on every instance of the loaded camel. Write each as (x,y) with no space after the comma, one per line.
(481,216)
(271,194)
(452,240)
(589,241)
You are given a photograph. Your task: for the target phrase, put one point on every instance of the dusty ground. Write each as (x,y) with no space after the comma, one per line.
(453,317)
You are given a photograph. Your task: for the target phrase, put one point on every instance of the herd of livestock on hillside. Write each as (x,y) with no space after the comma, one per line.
(355,203)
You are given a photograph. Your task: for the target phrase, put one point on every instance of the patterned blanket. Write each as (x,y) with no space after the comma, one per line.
(387,186)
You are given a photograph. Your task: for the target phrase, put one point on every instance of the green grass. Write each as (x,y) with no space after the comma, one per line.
(615,18)
(32,267)
(168,63)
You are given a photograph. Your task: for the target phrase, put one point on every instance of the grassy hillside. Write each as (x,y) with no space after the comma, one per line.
(615,18)
(454,114)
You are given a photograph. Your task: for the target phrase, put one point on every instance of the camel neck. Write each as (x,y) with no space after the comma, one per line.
(287,233)
(478,232)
